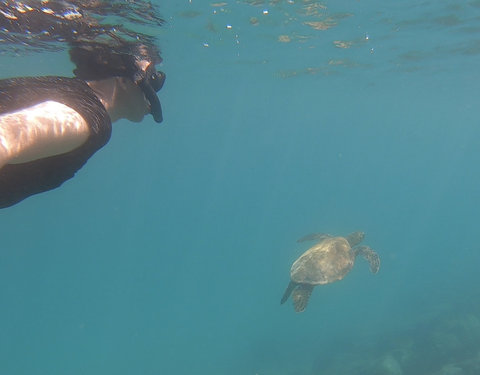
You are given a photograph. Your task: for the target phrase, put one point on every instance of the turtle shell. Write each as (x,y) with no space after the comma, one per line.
(325,262)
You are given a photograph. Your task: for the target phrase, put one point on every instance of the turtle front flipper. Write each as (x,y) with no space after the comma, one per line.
(371,257)
(314,237)
(288,291)
(300,296)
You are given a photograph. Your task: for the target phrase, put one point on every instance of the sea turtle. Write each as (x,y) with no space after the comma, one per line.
(329,260)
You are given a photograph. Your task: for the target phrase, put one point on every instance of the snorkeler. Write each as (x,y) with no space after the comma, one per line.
(50,126)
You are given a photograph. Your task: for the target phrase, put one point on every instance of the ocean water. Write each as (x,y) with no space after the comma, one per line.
(169,251)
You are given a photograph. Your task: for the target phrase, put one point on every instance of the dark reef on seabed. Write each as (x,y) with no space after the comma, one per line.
(446,343)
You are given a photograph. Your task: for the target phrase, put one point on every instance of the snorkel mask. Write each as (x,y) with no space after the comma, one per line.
(95,61)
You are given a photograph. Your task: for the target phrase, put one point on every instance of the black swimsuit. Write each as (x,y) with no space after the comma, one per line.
(19,181)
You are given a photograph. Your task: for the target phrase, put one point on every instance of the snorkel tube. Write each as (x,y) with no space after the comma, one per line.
(151,82)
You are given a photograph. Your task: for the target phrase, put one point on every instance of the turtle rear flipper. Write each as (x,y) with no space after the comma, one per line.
(288,291)
(371,257)
(300,296)
(314,237)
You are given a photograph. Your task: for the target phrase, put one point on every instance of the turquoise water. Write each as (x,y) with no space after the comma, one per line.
(169,252)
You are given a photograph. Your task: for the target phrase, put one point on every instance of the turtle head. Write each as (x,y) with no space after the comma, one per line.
(355,238)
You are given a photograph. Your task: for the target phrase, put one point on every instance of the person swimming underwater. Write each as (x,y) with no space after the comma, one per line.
(50,126)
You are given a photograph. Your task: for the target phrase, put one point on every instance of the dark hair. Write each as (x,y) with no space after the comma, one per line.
(95,60)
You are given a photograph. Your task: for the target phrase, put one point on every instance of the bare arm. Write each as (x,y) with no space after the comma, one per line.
(40,131)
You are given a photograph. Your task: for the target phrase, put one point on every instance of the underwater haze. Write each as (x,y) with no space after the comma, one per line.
(169,251)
